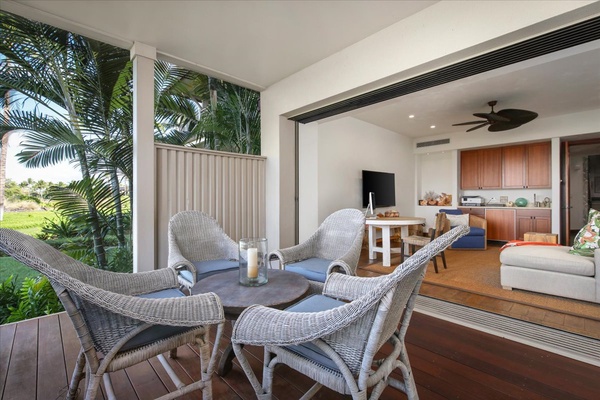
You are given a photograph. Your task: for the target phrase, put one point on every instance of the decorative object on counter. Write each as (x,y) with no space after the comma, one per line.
(510,204)
(546,202)
(391,214)
(431,198)
(520,202)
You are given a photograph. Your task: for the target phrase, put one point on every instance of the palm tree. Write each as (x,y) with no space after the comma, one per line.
(5,96)
(73,79)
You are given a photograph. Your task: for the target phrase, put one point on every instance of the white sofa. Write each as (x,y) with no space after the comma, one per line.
(551,270)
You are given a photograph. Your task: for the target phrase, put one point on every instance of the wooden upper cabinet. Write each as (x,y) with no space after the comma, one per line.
(491,168)
(481,169)
(538,165)
(526,166)
(513,166)
(469,169)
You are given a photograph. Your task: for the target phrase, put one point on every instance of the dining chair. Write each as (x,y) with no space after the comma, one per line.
(334,247)
(335,338)
(122,319)
(414,241)
(199,247)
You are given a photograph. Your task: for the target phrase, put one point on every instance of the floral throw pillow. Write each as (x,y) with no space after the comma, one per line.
(588,238)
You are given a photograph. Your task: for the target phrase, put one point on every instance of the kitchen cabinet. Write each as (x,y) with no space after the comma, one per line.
(538,221)
(526,166)
(481,169)
(500,224)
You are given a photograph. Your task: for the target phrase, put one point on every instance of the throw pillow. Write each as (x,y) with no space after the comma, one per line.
(588,238)
(457,220)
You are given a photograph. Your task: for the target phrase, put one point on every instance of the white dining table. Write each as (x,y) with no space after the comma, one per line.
(386,224)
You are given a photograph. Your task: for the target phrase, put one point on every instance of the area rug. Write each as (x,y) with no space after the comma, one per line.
(479,272)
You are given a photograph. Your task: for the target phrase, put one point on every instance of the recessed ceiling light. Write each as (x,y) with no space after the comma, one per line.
(432,126)
(411,116)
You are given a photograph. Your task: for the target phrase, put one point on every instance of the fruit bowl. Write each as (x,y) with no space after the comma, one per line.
(520,202)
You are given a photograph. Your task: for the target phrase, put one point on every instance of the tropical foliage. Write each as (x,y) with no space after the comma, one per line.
(72,99)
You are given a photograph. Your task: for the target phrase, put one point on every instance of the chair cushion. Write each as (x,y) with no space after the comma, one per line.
(469,242)
(450,211)
(156,332)
(308,350)
(474,231)
(204,269)
(313,269)
(457,220)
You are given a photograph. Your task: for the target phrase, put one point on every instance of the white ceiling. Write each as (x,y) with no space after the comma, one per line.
(257,43)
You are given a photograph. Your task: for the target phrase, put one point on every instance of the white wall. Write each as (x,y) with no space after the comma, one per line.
(340,150)
(440,35)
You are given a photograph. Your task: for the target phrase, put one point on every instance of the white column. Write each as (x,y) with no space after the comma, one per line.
(144,252)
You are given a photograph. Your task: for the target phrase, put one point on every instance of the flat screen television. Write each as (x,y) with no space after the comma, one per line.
(382,184)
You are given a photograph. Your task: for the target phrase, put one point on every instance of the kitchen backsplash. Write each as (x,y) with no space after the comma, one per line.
(494,196)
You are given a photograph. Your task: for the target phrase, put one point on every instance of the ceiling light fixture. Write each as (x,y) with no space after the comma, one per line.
(411,116)
(432,126)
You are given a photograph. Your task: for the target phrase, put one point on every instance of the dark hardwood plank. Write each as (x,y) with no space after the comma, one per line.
(145,382)
(23,363)
(51,370)
(7,335)
(541,372)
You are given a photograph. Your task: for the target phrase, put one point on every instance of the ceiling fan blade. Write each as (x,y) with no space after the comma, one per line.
(470,123)
(492,117)
(518,116)
(502,126)
(478,126)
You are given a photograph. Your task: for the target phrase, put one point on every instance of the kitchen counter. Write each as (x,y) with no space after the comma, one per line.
(509,208)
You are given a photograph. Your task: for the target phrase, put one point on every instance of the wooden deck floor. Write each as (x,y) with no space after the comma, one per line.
(449,362)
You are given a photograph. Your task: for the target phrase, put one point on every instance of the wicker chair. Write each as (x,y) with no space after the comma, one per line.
(128,318)
(198,247)
(334,247)
(335,342)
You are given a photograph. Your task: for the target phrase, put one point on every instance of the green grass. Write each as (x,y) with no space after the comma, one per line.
(29,223)
(9,266)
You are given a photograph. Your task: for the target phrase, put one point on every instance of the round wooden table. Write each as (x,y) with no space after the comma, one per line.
(283,289)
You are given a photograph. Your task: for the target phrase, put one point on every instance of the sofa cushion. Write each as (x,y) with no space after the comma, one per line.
(548,258)
(313,269)
(588,238)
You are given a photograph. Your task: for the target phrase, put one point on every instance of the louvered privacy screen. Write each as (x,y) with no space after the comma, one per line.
(228,186)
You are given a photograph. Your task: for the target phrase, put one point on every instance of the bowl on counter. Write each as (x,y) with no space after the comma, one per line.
(520,202)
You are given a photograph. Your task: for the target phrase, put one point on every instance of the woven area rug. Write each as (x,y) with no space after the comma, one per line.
(479,272)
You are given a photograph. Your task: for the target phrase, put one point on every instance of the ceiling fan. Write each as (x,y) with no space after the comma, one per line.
(502,120)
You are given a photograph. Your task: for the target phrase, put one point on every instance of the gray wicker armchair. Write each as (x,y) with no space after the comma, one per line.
(198,247)
(334,247)
(128,318)
(333,338)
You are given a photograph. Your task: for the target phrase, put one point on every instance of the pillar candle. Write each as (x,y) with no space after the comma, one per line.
(252,263)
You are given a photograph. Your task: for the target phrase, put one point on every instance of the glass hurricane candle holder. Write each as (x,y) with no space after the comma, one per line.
(253,261)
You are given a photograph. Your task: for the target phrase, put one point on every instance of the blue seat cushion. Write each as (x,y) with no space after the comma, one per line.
(469,242)
(451,211)
(308,350)
(313,269)
(204,269)
(476,231)
(156,332)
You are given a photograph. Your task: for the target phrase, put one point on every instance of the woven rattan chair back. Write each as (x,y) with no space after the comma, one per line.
(199,237)
(106,313)
(351,334)
(338,233)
